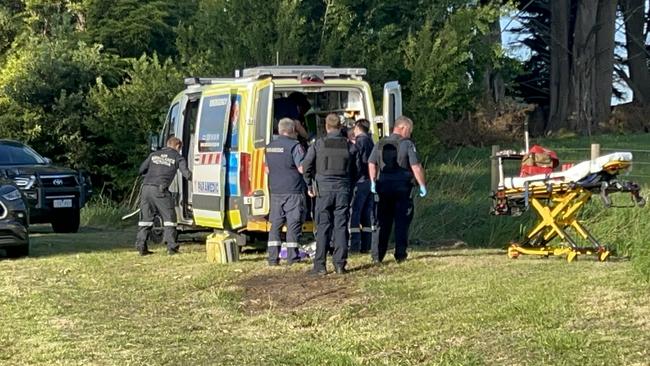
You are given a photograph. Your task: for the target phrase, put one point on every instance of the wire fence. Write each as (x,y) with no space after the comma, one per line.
(639,173)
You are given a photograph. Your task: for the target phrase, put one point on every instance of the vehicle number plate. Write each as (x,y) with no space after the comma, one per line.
(62,203)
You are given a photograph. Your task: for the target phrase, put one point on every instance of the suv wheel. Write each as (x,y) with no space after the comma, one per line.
(66,221)
(18,251)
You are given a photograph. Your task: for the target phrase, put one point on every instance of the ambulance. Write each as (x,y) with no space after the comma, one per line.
(225,124)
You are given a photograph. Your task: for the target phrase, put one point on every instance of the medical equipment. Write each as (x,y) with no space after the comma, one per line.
(557,198)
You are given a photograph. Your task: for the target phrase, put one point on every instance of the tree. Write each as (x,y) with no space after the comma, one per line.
(637,54)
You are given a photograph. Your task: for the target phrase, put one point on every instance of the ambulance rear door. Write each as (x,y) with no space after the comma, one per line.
(209,175)
(392,105)
(263,126)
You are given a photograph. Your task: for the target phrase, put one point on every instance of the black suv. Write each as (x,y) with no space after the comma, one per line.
(14,220)
(54,194)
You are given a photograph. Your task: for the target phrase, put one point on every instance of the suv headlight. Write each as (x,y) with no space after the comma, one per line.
(12,195)
(24,182)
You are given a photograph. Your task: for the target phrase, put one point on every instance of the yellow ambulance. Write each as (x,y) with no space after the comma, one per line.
(225,124)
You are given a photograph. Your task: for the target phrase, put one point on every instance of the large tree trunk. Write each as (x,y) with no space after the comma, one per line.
(582,111)
(560,65)
(493,84)
(637,57)
(605,32)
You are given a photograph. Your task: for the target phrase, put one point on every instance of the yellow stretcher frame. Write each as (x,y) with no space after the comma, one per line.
(557,206)
(557,211)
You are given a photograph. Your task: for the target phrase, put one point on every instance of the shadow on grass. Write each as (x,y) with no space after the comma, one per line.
(44,242)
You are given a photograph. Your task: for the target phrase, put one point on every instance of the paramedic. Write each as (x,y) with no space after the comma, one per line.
(329,170)
(159,171)
(287,187)
(392,167)
(294,106)
(362,217)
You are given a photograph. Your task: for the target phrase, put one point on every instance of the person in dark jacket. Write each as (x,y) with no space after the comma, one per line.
(330,170)
(287,187)
(362,218)
(159,170)
(394,168)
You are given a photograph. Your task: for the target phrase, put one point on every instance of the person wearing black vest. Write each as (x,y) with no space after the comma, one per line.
(394,168)
(159,169)
(362,218)
(287,187)
(330,170)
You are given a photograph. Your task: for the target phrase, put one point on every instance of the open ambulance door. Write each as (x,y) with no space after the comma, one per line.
(392,105)
(209,175)
(263,122)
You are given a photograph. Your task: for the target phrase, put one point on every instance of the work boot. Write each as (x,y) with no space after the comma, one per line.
(317,272)
(144,252)
(173,251)
(340,270)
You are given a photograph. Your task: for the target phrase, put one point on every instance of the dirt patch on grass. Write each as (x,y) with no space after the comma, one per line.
(290,291)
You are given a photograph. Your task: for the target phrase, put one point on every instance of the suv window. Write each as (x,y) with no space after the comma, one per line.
(17,154)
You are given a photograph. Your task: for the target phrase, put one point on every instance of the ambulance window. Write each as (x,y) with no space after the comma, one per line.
(170,124)
(214,114)
(262,122)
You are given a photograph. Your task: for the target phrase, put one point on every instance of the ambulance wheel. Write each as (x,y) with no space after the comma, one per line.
(156,235)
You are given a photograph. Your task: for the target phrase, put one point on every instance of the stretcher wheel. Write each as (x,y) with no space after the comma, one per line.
(513,253)
(603,254)
(641,202)
(571,256)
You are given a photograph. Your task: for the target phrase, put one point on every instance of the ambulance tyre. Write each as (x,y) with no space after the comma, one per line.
(156,234)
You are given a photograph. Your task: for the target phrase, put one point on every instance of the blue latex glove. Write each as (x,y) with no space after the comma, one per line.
(373,187)
(423,191)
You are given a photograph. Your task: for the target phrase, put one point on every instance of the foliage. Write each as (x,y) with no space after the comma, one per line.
(124,116)
(85,81)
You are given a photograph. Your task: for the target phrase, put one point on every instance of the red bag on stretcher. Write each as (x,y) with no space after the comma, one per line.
(538,160)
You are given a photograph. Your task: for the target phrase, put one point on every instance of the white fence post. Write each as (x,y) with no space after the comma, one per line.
(595,151)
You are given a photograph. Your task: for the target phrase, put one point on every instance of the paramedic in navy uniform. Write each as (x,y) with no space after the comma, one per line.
(362,218)
(330,170)
(159,171)
(392,166)
(287,187)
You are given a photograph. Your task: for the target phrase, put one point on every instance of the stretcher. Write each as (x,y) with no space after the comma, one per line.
(557,198)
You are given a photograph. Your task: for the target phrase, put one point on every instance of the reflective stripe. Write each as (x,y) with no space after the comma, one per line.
(292,245)
(368,229)
(167,223)
(355,230)
(145,223)
(274,244)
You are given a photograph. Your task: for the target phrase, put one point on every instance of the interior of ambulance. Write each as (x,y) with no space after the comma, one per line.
(314,106)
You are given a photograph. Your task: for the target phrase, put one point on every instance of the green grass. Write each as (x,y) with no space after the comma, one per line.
(458,204)
(89,299)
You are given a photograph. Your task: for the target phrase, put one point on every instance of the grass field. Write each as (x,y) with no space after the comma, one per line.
(88,299)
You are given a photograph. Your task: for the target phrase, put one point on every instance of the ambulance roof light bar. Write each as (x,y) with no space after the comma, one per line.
(303,71)
(198,81)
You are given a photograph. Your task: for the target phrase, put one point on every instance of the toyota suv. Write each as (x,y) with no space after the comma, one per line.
(14,222)
(54,194)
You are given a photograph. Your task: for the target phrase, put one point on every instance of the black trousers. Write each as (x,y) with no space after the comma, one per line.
(152,200)
(362,218)
(286,209)
(332,213)
(393,207)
